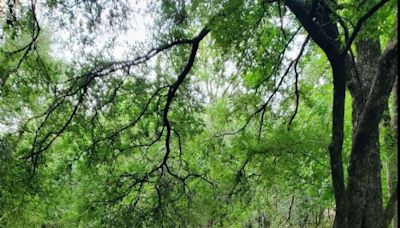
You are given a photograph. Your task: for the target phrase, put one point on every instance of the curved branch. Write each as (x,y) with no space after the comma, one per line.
(174,88)
(263,107)
(297,79)
(317,33)
(360,23)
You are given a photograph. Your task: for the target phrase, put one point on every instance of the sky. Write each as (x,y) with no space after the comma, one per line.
(67,46)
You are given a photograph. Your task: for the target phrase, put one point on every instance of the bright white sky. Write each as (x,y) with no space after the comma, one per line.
(67,49)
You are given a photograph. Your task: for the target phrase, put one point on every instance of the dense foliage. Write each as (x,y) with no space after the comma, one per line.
(220,117)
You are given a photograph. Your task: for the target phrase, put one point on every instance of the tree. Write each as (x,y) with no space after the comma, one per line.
(102,95)
(357,206)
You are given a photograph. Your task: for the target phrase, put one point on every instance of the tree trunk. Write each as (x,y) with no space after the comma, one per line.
(364,186)
(393,179)
(393,158)
(335,148)
(390,139)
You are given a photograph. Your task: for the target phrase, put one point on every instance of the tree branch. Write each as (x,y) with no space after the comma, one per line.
(318,34)
(297,79)
(360,23)
(174,88)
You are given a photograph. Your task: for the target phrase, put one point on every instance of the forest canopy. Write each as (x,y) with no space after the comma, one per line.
(198,113)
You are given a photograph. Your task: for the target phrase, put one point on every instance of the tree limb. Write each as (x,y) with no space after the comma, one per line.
(360,23)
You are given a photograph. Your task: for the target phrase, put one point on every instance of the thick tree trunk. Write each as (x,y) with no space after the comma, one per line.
(335,148)
(364,186)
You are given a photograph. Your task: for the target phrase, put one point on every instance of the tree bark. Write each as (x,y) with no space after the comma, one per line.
(390,209)
(335,148)
(364,186)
